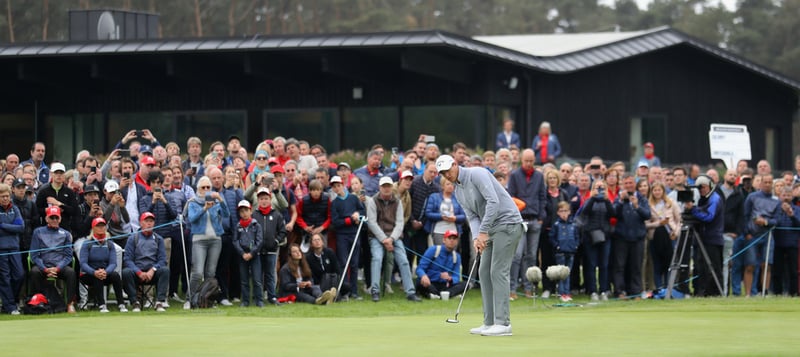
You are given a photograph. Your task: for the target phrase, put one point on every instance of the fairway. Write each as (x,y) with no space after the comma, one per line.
(396,327)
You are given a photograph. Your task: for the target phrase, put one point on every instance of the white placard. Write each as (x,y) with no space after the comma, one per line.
(729,143)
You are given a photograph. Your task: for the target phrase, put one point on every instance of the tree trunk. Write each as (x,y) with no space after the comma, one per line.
(198,22)
(232,18)
(267,18)
(315,16)
(10,21)
(301,28)
(45,18)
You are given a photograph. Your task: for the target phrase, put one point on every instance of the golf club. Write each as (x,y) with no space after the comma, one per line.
(349,256)
(469,279)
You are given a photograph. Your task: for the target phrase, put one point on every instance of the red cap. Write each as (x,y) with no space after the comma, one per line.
(98,220)
(273,160)
(52,211)
(450,233)
(649,145)
(146,215)
(37,299)
(148,160)
(278,168)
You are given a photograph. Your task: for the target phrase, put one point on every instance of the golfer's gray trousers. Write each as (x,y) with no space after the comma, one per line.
(494,272)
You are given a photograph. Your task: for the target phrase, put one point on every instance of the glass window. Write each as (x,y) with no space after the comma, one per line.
(65,135)
(209,127)
(449,124)
(320,126)
(160,124)
(18,135)
(359,127)
(497,114)
(649,129)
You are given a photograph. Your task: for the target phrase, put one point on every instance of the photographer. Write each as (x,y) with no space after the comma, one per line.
(710,212)
(155,202)
(632,210)
(89,210)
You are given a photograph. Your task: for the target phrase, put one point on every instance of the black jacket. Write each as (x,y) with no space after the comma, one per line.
(327,263)
(69,209)
(31,218)
(273,228)
(734,210)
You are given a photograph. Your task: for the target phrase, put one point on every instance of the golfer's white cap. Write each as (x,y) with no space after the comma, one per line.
(444,163)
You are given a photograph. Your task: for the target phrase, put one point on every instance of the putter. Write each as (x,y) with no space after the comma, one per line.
(469,279)
(350,256)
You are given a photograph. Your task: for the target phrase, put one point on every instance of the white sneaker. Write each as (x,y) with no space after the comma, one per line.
(546,294)
(497,330)
(225,302)
(15,312)
(122,308)
(594,297)
(434,296)
(604,296)
(137,308)
(165,304)
(187,305)
(479,330)
(103,309)
(160,307)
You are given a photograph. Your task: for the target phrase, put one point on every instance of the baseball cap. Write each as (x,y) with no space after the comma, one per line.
(57,166)
(444,163)
(405,174)
(703,181)
(648,145)
(273,161)
(243,203)
(19,182)
(148,160)
(98,220)
(343,164)
(52,211)
(643,163)
(336,179)
(277,168)
(262,190)
(450,233)
(91,188)
(111,186)
(386,180)
(234,136)
(147,215)
(146,149)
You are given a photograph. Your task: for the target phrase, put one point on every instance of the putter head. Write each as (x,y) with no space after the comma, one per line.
(452,321)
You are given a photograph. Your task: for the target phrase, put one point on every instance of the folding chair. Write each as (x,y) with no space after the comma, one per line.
(146,294)
(59,284)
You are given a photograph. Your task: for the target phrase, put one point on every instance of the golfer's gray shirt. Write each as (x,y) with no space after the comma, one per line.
(485,201)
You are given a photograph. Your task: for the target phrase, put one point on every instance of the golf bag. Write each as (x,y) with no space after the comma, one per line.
(206,295)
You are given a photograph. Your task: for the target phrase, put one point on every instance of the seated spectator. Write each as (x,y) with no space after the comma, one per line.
(98,258)
(295,278)
(51,254)
(247,241)
(438,269)
(146,263)
(324,266)
(12,225)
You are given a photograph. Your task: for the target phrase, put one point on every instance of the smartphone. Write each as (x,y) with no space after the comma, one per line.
(157,190)
(214,154)
(121,150)
(139,133)
(126,175)
(429,138)
(93,169)
(394,150)
(75,176)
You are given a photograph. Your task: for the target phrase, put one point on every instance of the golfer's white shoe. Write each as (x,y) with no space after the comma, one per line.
(478,330)
(497,330)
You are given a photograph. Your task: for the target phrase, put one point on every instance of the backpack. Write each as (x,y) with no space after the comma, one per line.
(36,304)
(206,295)
(48,301)
(439,250)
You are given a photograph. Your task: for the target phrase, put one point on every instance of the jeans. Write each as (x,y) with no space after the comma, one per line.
(727,251)
(269,264)
(11,278)
(494,273)
(564,259)
(160,280)
(228,269)
(597,258)
(205,253)
(525,255)
(377,249)
(344,243)
(248,269)
(740,261)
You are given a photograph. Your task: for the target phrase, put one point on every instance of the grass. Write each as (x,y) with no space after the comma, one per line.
(395,327)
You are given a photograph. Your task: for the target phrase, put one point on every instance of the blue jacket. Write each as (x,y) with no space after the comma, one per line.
(51,247)
(144,252)
(760,204)
(710,211)
(164,213)
(433,215)
(370,181)
(248,239)
(788,238)
(341,210)
(630,220)
(197,216)
(553,147)
(94,255)
(532,191)
(502,143)
(565,236)
(232,197)
(433,266)
(11,226)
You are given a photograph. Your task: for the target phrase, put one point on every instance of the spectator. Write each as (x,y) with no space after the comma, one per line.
(508,137)
(786,242)
(146,263)
(178,195)
(279,150)
(663,228)
(565,237)
(734,224)
(632,210)
(761,211)
(55,193)
(37,159)
(459,154)
(321,175)
(709,212)
(554,195)
(8,179)
(343,171)
(131,191)
(193,165)
(98,258)
(443,213)
(296,280)
(385,222)
(12,225)
(260,167)
(421,188)
(247,240)
(234,146)
(30,216)
(206,214)
(314,212)
(489,160)
(528,185)
(598,212)
(649,155)
(273,228)
(546,145)
(324,266)
(155,201)
(51,254)
(227,267)
(370,173)
(438,269)
(89,210)
(12,162)
(346,213)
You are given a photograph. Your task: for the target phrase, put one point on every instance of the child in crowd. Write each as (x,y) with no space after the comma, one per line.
(565,238)
(247,240)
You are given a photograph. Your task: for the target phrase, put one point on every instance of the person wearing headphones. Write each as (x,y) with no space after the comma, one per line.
(710,212)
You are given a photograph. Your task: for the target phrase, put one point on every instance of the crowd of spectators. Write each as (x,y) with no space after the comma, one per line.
(284,224)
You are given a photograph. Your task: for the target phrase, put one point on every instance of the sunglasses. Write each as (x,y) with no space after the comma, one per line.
(204,187)
(53,217)
(261,158)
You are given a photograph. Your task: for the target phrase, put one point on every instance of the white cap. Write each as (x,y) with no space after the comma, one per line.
(406,173)
(643,163)
(57,166)
(263,190)
(444,163)
(703,181)
(243,203)
(386,180)
(336,179)
(111,186)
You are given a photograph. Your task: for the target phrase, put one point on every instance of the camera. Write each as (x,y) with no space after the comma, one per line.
(157,190)
(686,195)
(139,133)
(93,169)
(601,194)
(594,167)
(394,150)
(209,198)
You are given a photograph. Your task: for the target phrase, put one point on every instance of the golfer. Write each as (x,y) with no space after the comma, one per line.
(496,227)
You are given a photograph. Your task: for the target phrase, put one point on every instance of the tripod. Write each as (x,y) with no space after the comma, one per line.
(679,252)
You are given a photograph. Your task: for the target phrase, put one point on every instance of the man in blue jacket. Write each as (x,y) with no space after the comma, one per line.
(11,273)
(710,211)
(438,269)
(146,263)
(632,210)
(51,252)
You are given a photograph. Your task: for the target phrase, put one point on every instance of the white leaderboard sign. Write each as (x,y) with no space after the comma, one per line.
(729,143)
